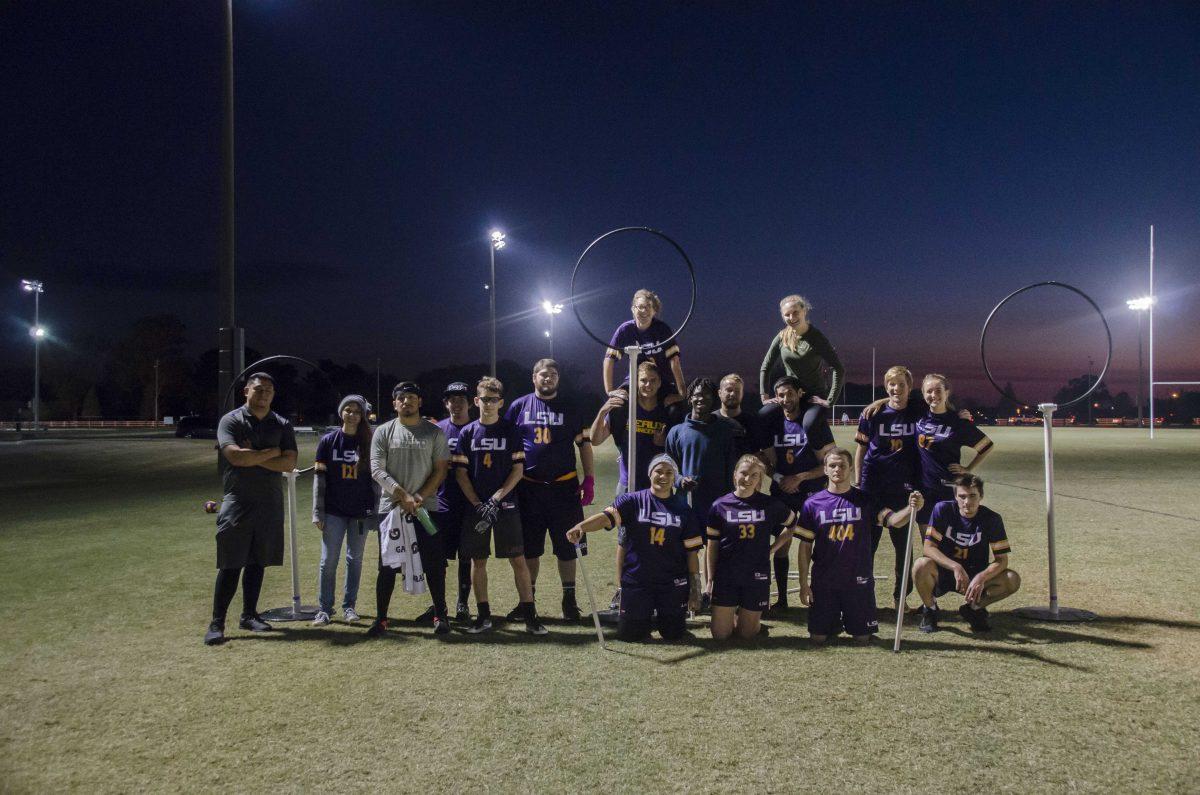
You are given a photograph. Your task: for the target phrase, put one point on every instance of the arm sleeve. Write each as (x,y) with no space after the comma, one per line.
(459,459)
(616,347)
(287,439)
(769,362)
(712,523)
(997,538)
(863,436)
(823,349)
(690,535)
(971,435)
(805,525)
(225,431)
(379,448)
(936,529)
(318,496)
(441,448)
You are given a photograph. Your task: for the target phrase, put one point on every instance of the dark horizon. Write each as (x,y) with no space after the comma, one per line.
(903,168)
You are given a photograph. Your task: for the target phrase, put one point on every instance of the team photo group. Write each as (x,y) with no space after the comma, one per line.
(706,518)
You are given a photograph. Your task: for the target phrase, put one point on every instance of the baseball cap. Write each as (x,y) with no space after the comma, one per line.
(406,387)
(457,388)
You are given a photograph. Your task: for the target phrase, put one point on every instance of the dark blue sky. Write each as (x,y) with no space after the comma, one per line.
(903,165)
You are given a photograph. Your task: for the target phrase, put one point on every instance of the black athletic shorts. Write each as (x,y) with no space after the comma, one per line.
(835,608)
(449,525)
(249,532)
(669,601)
(550,508)
(945,581)
(747,593)
(506,529)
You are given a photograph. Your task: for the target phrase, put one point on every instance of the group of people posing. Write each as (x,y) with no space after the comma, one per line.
(705,522)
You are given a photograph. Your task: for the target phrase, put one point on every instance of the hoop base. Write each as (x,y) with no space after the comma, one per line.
(1059,614)
(299,613)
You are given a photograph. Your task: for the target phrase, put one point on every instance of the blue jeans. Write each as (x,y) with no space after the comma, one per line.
(354,531)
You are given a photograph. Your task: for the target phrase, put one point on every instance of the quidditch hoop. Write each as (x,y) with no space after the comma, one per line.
(676,246)
(233,384)
(1008,393)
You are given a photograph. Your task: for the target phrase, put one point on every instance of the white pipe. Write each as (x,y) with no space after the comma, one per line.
(1047,410)
(631,353)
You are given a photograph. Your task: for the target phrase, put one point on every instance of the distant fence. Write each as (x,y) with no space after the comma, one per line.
(93,424)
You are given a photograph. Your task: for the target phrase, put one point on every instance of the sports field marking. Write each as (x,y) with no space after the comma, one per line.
(1098,502)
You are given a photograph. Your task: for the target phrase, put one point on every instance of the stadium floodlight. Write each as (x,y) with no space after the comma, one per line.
(38,332)
(1140,304)
(496,243)
(551,309)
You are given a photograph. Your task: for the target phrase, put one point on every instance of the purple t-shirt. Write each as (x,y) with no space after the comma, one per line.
(650,341)
(890,460)
(550,430)
(940,440)
(742,529)
(657,536)
(348,489)
(488,453)
(649,425)
(839,528)
(450,497)
(967,540)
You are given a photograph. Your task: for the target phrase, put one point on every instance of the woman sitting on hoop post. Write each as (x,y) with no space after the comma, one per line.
(801,349)
(647,330)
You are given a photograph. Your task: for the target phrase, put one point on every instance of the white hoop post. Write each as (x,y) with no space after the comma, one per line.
(1054,612)
(296,612)
(631,352)
(912,521)
(1151,331)
(591,597)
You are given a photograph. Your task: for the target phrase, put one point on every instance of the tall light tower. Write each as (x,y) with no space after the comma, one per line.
(231,353)
(497,243)
(1140,305)
(37,332)
(551,309)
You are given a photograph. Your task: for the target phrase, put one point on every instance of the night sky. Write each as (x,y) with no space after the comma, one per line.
(903,165)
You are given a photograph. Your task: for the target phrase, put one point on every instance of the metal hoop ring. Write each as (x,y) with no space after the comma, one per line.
(251,368)
(1008,393)
(677,247)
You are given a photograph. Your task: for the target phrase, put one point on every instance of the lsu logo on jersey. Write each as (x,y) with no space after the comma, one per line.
(840,516)
(345,456)
(933,431)
(966,539)
(898,429)
(488,443)
(659,518)
(542,417)
(790,440)
(745,516)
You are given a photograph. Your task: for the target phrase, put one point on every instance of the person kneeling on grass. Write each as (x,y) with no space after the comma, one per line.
(957,540)
(740,526)
(658,544)
(488,464)
(835,530)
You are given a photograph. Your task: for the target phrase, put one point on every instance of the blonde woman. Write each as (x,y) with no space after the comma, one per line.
(649,331)
(801,351)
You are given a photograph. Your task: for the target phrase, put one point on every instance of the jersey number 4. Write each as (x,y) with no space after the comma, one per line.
(841,532)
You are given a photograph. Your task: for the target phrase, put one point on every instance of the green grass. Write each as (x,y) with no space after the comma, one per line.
(105,684)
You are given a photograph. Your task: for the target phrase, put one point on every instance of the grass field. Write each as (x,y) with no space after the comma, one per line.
(105,684)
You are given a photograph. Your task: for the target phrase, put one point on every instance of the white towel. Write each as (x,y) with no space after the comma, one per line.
(398,549)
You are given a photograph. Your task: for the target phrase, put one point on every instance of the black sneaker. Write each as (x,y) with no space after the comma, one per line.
(516,614)
(480,624)
(377,628)
(929,619)
(779,606)
(615,604)
(534,626)
(764,631)
(215,635)
(462,612)
(428,615)
(571,610)
(441,626)
(976,617)
(254,623)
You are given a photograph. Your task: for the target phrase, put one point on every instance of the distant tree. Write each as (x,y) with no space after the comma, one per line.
(127,385)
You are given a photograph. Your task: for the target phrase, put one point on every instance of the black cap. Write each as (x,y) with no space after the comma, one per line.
(406,387)
(457,388)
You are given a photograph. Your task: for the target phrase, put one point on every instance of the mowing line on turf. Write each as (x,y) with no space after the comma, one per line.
(1098,502)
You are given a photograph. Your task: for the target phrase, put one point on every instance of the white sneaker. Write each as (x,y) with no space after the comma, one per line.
(350,614)
(320,619)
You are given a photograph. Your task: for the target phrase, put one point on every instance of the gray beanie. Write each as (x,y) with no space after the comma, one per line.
(359,399)
(663,458)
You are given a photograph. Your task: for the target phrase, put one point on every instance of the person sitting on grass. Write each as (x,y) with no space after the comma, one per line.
(489,463)
(658,544)
(739,530)
(957,540)
(835,534)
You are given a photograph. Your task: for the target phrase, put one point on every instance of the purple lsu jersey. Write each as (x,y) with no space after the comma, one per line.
(488,453)
(839,528)
(889,461)
(742,529)
(795,450)
(651,343)
(657,536)
(550,430)
(348,487)
(450,496)
(651,424)
(940,439)
(964,540)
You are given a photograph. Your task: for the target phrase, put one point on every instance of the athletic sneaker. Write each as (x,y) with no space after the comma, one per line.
(779,606)
(377,628)
(320,619)
(254,623)
(977,617)
(615,604)
(480,624)
(440,626)
(461,611)
(929,619)
(516,614)
(571,609)
(534,626)
(764,631)
(427,615)
(351,615)
(215,635)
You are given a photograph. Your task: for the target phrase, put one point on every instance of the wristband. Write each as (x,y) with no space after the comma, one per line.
(778,478)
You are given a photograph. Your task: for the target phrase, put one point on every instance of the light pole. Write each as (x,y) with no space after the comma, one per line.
(156,415)
(551,309)
(497,243)
(37,332)
(231,354)
(1139,305)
